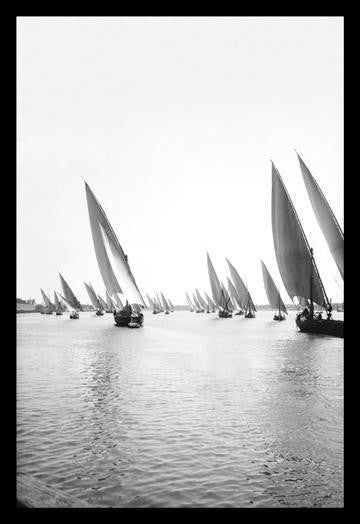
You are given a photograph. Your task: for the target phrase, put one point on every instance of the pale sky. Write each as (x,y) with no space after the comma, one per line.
(173,121)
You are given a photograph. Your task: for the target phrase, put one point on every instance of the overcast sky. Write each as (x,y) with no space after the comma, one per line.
(172,122)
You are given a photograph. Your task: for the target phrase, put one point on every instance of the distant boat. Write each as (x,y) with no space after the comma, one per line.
(103,304)
(57,305)
(114,266)
(219,293)
(165,304)
(235,296)
(192,308)
(152,305)
(325,217)
(49,306)
(273,294)
(203,304)
(94,299)
(210,303)
(243,292)
(172,309)
(70,298)
(296,263)
(198,308)
(158,301)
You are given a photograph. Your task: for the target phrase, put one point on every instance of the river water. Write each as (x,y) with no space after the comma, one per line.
(188,411)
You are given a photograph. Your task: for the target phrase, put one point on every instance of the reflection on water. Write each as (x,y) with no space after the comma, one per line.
(190,410)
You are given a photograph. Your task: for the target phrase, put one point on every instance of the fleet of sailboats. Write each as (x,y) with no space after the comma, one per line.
(294,256)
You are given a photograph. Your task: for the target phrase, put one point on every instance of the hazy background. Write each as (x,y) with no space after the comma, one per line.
(173,122)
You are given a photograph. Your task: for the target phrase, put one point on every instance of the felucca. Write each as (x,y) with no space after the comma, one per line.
(49,306)
(58,308)
(217,291)
(70,298)
(94,299)
(192,309)
(296,263)
(114,266)
(273,294)
(244,294)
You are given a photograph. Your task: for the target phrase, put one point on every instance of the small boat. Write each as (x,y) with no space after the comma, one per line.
(225,310)
(211,304)
(218,291)
(165,304)
(70,298)
(273,294)
(296,262)
(198,308)
(192,308)
(238,307)
(245,300)
(203,305)
(94,299)
(49,306)
(114,265)
(57,305)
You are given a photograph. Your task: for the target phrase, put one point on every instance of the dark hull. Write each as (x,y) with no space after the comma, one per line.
(124,321)
(334,328)
(279,318)
(249,315)
(239,313)
(225,314)
(99,313)
(74,316)
(59,313)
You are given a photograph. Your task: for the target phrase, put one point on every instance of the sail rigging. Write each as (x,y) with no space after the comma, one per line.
(325,217)
(296,264)
(233,293)
(214,282)
(272,291)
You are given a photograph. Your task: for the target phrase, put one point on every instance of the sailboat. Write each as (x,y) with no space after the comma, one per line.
(58,308)
(297,265)
(210,303)
(198,308)
(114,266)
(152,304)
(220,296)
(165,304)
(273,294)
(94,299)
(235,297)
(243,292)
(70,298)
(203,305)
(172,309)
(103,304)
(49,307)
(192,309)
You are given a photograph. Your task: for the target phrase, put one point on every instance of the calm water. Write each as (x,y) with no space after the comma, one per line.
(190,410)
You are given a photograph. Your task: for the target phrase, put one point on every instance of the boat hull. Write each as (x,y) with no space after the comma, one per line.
(334,328)
(249,315)
(225,314)
(99,313)
(125,321)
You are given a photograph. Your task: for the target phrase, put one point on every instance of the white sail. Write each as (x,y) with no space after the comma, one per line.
(112,261)
(196,302)
(69,295)
(151,302)
(296,264)
(209,301)
(102,302)
(325,217)
(272,291)
(202,302)
(189,301)
(164,303)
(92,295)
(214,282)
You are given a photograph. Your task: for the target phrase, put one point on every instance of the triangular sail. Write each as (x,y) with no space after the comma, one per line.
(112,261)
(233,293)
(242,290)
(297,268)
(325,217)
(69,294)
(225,299)
(170,304)
(151,302)
(202,302)
(47,301)
(214,282)
(164,303)
(209,301)
(102,302)
(271,291)
(109,303)
(196,302)
(57,303)
(92,295)
(189,301)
